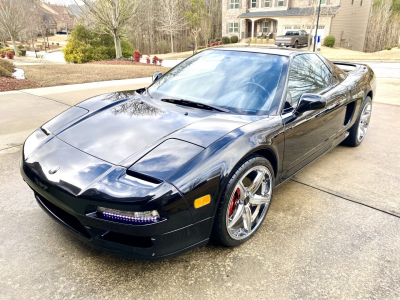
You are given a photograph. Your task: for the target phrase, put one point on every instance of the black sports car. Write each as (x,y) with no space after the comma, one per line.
(154,172)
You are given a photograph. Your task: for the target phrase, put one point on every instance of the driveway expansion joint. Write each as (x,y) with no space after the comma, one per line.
(22,91)
(345,198)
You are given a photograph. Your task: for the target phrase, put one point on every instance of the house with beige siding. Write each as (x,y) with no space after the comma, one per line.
(347,20)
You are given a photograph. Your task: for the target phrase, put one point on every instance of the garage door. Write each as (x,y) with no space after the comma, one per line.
(321,31)
(290,27)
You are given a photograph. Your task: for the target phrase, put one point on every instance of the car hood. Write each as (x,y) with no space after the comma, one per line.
(120,131)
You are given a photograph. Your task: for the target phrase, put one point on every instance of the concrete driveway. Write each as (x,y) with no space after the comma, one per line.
(332,231)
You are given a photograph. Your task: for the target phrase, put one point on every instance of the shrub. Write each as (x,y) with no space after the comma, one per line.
(52,43)
(2,55)
(255,40)
(10,55)
(329,41)
(4,72)
(226,40)
(148,58)
(388,48)
(137,55)
(261,39)
(126,49)
(234,39)
(208,45)
(5,64)
(217,39)
(58,44)
(85,45)
(267,39)
(20,47)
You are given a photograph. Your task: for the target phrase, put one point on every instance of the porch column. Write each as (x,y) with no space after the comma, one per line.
(252,29)
(240,29)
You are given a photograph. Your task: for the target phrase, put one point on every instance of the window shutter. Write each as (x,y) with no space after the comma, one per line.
(257,3)
(227,27)
(228,3)
(240,4)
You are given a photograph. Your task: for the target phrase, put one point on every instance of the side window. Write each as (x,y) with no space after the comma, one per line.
(308,74)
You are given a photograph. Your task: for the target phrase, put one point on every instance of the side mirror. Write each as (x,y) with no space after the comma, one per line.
(156,76)
(310,102)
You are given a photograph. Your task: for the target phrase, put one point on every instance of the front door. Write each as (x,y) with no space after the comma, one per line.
(311,133)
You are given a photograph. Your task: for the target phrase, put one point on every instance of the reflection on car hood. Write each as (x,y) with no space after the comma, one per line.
(115,129)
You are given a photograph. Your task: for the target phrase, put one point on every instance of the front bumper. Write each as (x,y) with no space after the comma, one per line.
(144,242)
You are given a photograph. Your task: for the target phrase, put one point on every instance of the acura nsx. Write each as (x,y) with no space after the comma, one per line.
(154,172)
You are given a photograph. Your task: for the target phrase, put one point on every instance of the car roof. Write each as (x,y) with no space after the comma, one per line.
(276,51)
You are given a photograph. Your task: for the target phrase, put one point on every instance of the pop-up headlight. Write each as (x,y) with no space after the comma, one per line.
(130,217)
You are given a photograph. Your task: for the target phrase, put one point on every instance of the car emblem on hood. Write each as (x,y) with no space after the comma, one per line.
(54,170)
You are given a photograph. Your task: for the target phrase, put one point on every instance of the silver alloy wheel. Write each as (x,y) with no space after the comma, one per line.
(249,202)
(364,122)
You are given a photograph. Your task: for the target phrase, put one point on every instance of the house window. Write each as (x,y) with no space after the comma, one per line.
(233,4)
(233,27)
(296,27)
(280,2)
(323,2)
(253,3)
(266,3)
(265,27)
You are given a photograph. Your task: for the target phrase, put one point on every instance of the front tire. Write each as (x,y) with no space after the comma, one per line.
(359,129)
(244,202)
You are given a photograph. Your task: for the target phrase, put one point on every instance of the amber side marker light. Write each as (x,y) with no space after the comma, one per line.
(202,201)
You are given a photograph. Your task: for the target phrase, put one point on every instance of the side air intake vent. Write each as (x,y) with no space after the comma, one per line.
(349,113)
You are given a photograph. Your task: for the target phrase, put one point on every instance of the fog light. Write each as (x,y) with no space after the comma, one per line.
(131,217)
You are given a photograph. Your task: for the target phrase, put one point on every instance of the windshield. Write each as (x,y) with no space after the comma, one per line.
(242,82)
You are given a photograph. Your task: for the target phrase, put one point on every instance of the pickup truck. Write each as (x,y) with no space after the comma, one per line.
(293,38)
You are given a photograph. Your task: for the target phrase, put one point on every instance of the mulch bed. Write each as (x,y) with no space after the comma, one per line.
(12,84)
(119,62)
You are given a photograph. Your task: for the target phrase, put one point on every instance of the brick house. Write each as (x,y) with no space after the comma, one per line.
(56,17)
(347,20)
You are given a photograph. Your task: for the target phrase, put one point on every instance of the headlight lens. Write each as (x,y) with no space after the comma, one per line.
(131,217)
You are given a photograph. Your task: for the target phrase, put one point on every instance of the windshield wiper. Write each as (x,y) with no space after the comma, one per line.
(196,104)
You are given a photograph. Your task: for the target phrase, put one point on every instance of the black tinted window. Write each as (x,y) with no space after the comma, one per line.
(308,74)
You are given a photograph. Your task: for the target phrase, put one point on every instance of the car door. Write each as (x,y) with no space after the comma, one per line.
(311,133)
(304,38)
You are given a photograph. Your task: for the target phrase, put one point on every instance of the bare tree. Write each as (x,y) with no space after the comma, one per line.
(309,10)
(13,17)
(171,19)
(206,28)
(383,27)
(109,16)
(33,24)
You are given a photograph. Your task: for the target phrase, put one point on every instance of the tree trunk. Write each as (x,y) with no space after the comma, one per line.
(172,44)
(117,43)
(195,43)
(15,47)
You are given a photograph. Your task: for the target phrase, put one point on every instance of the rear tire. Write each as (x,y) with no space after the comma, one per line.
(296,45)
(359,129)
(245,200)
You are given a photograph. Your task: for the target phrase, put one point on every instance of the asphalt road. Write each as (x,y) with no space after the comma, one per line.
(332,231)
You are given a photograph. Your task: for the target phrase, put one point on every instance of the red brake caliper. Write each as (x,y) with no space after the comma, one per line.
(234,202)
